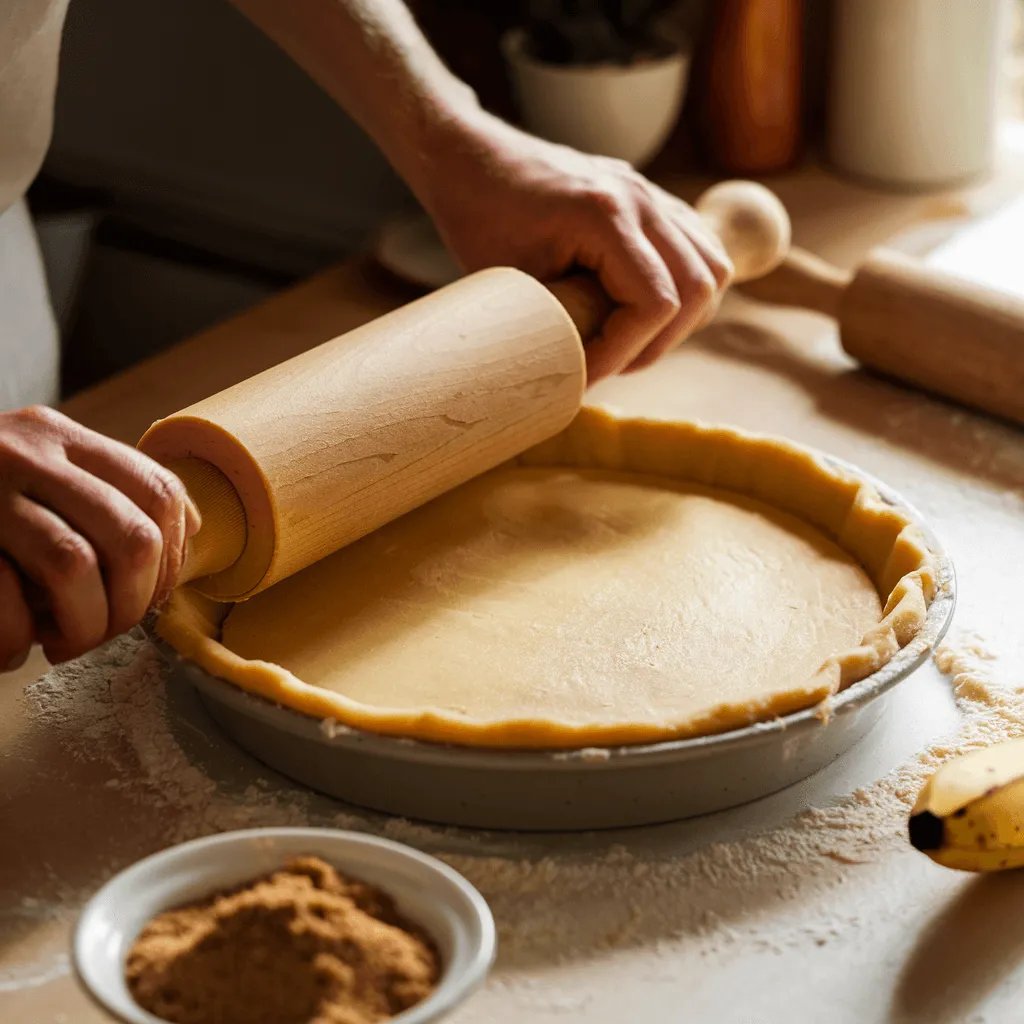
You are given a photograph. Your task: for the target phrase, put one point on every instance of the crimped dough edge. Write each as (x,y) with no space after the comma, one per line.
(882,539)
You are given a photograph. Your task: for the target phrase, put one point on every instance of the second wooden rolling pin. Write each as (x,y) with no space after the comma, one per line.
(909,321)
(308,456)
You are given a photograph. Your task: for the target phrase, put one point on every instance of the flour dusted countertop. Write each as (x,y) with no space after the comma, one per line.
(807,906)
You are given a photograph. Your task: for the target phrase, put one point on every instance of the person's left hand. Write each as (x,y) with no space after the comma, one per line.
(500,197)
(92,534)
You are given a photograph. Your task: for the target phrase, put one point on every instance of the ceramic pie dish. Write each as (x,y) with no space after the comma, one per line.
(713,760)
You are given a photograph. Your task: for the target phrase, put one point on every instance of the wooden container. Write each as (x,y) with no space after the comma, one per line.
(753,106)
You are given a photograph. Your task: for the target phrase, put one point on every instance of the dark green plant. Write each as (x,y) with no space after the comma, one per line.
(594,31)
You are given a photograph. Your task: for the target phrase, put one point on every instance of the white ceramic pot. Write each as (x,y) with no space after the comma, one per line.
(913,89)
(625,112)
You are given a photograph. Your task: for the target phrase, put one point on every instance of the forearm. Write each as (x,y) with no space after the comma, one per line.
(372,59)
(501,197)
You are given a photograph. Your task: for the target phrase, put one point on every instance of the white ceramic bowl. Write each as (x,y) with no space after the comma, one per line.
(625,112)
(427,892)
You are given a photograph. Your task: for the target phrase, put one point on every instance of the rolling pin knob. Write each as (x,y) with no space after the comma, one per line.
(751,223)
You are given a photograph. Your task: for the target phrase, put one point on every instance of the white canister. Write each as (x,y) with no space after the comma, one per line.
(913,91)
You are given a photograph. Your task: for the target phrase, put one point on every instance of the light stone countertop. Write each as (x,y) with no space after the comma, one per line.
(833,918)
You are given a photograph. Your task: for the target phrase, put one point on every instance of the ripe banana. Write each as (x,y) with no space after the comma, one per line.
(970,813)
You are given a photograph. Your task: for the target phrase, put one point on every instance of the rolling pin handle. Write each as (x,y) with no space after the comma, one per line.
(220,541)
(748,219)
(803,280)
(584,300)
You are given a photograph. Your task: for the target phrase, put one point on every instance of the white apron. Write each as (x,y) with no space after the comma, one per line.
(29,51)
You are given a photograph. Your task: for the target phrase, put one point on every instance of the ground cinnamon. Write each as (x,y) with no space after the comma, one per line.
(301,946)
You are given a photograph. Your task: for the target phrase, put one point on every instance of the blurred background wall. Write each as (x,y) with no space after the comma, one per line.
(195,170)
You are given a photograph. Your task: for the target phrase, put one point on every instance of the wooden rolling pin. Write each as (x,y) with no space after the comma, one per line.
(906,320)
(310,455)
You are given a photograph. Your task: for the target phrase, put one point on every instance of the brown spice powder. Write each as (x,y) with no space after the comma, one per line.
(301,946)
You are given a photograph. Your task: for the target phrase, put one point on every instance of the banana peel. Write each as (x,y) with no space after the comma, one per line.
(970,813)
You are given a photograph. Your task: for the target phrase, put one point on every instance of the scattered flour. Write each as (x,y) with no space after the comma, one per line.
(555,899)
(35,974)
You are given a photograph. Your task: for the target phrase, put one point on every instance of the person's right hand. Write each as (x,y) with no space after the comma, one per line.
(501,197)
(92,533)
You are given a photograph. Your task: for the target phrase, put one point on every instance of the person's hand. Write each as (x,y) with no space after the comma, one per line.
(500,197)
(92,533)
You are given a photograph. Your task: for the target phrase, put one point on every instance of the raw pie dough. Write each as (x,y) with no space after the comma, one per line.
(626,581)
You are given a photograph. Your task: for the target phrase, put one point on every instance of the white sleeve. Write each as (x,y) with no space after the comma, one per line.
(29,340)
